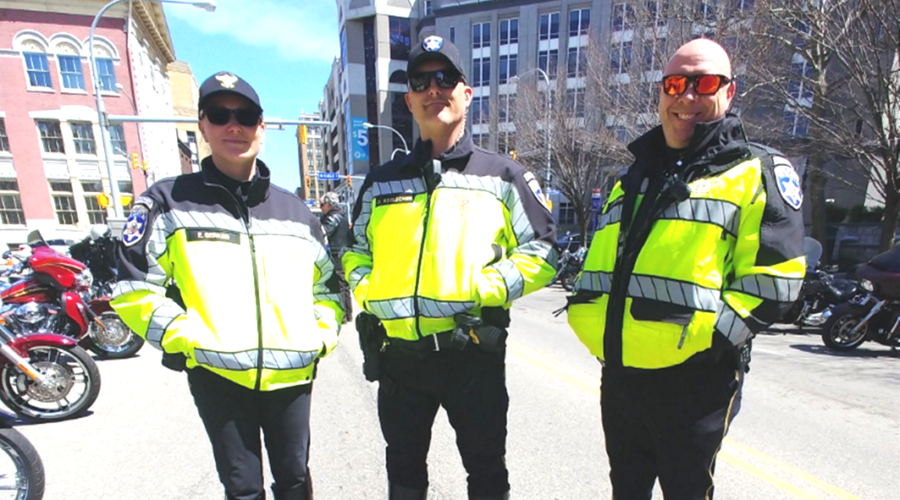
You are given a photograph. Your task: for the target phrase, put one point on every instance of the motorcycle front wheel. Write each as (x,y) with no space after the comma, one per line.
(21,469)
(568,281)
(71,384)
(837,334)
(117,341)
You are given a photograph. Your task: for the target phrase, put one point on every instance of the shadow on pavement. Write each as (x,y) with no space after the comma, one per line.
(856,353)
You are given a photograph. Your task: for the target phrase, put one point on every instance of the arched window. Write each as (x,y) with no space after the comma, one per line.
(106,73)
(71,76)
(36,66)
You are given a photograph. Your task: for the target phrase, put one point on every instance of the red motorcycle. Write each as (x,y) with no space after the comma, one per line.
(56,297)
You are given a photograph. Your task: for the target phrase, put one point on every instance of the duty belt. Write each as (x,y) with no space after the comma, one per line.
(441,341)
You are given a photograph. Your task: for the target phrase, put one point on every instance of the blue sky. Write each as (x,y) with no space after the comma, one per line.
(283,48)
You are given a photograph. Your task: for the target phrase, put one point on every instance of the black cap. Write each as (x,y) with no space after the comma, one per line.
(435,48)
(227,82)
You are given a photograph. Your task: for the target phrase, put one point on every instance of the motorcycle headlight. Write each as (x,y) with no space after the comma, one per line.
(866,285)
(84,280)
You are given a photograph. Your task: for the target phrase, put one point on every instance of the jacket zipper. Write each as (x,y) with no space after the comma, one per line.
(245,218)
(419,264)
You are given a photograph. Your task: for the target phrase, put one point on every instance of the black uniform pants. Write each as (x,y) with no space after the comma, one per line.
(471,387)
(233,416)
(668,424)
(346,294)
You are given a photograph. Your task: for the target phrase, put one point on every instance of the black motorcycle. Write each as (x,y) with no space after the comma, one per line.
(873,315)
(569,264)
(819,292)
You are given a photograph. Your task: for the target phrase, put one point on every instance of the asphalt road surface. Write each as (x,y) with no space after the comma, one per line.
(814,425)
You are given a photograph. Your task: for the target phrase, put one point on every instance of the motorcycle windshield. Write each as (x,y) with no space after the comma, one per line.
(813,251)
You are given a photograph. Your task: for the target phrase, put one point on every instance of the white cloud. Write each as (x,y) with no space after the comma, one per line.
(298,29)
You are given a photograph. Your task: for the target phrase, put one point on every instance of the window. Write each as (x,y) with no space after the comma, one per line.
(38,70)
(64,202)
(481,35)
(508,67)
(452,34)
(506,143)
(10,203)
(83,136)
(566,213)
(481,110)
(620,57)
(548,60)
(481,72)
(506,111)
(427,8)
(106,74)
(51,136)
(4,139)
(799,86)
(579,22)
(796,124)
(482,140)
(659,11)
(622,17)
(398,28)
(117,139)
(706,10)
(70,72)
(549,28)
(577,62)
(509,31)
(575,102)
(96,215)
(654,54)
(126,187)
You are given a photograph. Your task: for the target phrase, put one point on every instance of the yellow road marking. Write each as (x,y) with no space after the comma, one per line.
(591,384)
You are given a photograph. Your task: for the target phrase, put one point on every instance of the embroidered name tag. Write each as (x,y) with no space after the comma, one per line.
(393,199)
(213,235)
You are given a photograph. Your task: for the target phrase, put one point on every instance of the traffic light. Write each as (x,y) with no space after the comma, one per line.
(302,134)
(308,181)
(102,200)
(135,161)
(126,199)
(512,154)
(349,181)
(145,166)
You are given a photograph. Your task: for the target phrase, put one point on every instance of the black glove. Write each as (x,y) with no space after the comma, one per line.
(372,338)
(174,361)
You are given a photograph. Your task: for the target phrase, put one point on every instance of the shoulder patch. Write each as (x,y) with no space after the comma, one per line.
(135,225)
(144,200)
(535,187)
(788,182)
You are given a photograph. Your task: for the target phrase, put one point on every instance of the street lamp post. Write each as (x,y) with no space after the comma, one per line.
(102,118)
(121,89)
(547,132)
(368,125)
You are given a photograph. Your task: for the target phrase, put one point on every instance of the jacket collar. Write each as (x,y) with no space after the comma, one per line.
(463,148)
(256,188)
(717,144)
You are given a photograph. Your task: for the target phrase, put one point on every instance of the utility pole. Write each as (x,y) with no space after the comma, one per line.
(315,167)
(304,161)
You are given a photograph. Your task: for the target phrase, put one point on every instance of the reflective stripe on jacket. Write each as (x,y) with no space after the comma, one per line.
(726,261)
(481,237)
(260,305)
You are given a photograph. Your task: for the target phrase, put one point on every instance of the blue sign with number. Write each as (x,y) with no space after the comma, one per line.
(328,176)
(360,139)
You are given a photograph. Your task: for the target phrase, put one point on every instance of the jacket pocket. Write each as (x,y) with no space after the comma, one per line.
(587,319)
(661,312)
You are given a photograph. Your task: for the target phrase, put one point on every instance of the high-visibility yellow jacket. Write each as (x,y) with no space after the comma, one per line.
(668,280)
(476,234)
(259,302)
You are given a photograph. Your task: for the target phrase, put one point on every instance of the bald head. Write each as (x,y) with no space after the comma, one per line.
(699,56)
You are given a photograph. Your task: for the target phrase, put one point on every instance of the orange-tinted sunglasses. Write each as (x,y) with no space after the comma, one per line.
(675,85)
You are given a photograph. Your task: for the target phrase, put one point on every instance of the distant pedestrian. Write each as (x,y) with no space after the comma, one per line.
(254,306)
(337,229)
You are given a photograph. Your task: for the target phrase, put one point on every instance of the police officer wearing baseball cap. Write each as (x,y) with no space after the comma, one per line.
(441,342)
(236,318)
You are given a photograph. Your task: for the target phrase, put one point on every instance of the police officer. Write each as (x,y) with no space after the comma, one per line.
(446,238)
(700,246)
(256,304)
(337,230)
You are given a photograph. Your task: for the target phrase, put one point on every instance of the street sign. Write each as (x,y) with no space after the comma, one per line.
(311,203)
(595,199)
(328,176)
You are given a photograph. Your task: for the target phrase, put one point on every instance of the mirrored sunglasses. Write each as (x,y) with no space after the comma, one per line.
(675,85)
(446,79)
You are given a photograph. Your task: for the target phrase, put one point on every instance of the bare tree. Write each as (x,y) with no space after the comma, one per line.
(832,67)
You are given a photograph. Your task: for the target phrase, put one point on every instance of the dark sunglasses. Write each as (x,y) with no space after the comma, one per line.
(247,117)
(675,85)
(446,79)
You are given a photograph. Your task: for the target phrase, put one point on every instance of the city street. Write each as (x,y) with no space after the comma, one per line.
(815,425)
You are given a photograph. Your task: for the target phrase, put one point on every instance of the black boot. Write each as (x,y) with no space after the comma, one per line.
(502,496)
(397,492)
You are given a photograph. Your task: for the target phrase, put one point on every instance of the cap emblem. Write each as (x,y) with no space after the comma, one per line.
(227,80)
(433,43)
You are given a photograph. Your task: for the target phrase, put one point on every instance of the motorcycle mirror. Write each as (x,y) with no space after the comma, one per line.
(7,254)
